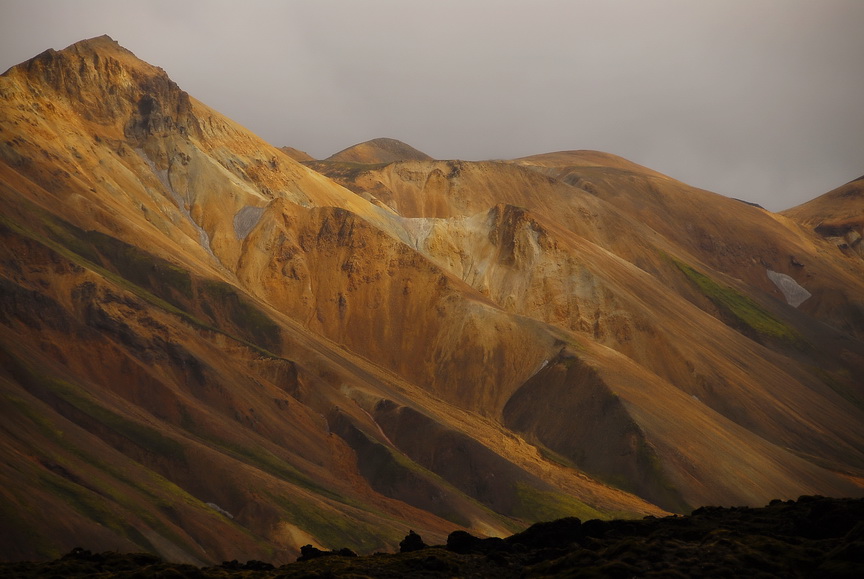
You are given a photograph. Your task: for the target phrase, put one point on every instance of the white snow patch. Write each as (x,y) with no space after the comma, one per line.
(540,367)
(795,294)
(219,509)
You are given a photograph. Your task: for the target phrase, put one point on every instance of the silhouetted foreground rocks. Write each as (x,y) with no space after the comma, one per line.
(810,537)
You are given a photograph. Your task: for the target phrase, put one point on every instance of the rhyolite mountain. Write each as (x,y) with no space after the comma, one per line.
(211,350)
(381,150)
(837,216)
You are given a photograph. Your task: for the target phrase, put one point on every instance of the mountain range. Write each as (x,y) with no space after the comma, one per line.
(214,348)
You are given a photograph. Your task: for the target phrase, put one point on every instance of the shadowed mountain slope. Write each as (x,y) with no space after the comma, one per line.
(813,537)
(211,351)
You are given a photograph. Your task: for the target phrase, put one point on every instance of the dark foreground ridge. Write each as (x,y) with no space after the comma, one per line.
(810,537)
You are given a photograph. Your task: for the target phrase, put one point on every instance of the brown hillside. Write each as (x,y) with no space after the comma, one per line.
(584,158)
(837,216)
(381,150)
(297,154)
(211,351)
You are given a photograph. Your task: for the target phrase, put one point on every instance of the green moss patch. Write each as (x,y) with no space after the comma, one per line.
(141,435)
(741,312)
(536,505)
(335,530)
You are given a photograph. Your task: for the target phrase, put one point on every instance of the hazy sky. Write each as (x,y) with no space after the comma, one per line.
(756,99)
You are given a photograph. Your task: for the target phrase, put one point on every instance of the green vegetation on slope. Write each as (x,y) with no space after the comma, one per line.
(158,282)
(744,313)
(112,497)
(535,505)
(813,537)
(143,436)
(334,529)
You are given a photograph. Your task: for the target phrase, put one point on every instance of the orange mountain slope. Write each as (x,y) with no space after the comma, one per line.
(838,216)
(212,351)
(380,150)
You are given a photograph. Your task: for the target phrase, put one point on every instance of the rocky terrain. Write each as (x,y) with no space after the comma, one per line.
(215,349)
(811,537)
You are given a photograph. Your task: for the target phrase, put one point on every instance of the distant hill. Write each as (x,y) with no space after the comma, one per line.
(583,158)
(382,150)
(837,215)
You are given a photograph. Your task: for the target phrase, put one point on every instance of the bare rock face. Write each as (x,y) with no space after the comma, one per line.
(102,79)
(211,351)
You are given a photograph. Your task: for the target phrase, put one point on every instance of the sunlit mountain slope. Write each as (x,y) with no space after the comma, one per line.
(211,350)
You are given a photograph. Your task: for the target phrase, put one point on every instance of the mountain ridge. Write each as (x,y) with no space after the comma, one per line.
(210,348)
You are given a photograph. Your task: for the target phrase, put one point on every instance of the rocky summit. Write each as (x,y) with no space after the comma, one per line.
(215,349)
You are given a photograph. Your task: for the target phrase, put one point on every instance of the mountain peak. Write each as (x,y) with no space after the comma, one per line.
(107,84)
(103,42)
(380,150)
(88,49)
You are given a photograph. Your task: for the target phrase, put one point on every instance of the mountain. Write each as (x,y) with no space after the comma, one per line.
(297,154)
(211,351)
(837,216)
(381,150)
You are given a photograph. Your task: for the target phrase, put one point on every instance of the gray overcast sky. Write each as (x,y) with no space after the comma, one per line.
(755,99)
